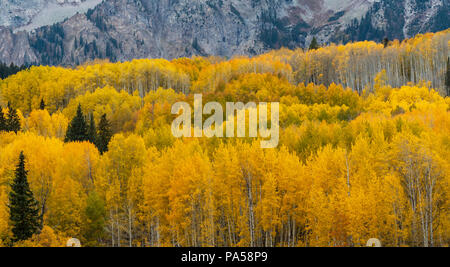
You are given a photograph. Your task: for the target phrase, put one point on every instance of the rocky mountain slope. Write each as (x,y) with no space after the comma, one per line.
(126,29)
(32,14)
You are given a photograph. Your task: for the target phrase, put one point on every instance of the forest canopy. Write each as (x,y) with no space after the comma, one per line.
(364,148)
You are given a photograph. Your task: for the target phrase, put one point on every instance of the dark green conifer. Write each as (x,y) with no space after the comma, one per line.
(23,207)
(12,121)
(104,134)
(314,44)
(77,130)
(386,42)
(42,104)
(92,131)
(2,120)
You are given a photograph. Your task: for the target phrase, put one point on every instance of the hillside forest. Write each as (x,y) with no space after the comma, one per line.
(87,151)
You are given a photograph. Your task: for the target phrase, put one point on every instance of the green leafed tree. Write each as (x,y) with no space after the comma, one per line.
(78,129)
(24,209)
(93,232)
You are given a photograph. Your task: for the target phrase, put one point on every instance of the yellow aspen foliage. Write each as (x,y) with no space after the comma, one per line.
(65,206)
(46,238)
(42,160)
(80,162)
(41,123)
(363,152)
(119,107)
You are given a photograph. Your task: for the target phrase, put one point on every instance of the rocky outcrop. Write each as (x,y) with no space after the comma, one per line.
(126,29)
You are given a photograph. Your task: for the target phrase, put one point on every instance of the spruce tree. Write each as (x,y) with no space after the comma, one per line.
(42,104)
(92,132)
(314,44)
(12,121)
(77,130)
(386,42)
(104,134)
(2,120)
(23,207)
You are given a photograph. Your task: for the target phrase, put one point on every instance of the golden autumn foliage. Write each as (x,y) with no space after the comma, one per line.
(46,238)
(364,149)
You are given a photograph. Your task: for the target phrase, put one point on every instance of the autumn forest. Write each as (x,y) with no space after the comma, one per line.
(363,152)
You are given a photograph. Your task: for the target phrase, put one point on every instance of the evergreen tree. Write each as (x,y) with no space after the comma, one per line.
(314,44)
(92,132)
(104,134)
(24,210)
(77,130)
(6,71)
(12,121)
(42,104)
(386,42)
(2,120)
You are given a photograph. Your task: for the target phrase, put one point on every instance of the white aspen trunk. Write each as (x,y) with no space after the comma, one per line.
(130,230)
(157,232)
(250,210)
(347,164)
(112,226)
(118,227)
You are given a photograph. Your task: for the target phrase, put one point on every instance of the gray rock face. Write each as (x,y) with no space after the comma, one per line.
(15,47)
(126,29)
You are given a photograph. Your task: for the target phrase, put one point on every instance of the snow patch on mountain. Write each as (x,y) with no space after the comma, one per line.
(57,12)
(353,9)
(32,14)
(409,15)
(415,17)
(431,11)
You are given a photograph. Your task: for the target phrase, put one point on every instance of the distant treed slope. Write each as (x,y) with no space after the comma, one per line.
(357,65)
(397,20)
(122,30)
(8,70)
(348,167)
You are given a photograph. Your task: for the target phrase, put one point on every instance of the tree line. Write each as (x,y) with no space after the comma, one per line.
(423,58)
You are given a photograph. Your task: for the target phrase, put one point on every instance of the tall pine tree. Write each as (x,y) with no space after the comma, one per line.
(92,131)
(104,134)
(386,42)
(42,104)
(77,130)
(23,207)
(12,121)
(2,120)
(314,44)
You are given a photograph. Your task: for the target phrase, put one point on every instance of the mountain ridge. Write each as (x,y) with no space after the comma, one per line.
(122,30)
